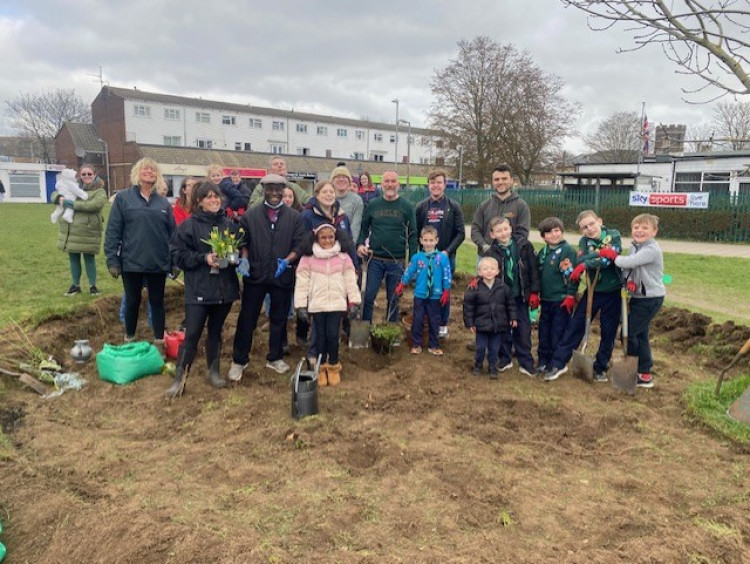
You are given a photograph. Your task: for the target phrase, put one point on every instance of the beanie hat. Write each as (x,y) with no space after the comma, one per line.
(341,171)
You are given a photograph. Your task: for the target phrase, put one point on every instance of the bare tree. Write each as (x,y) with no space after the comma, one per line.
(617,138)
(40,116)
(732,124)
(500,107)
(700,138)
(704,38)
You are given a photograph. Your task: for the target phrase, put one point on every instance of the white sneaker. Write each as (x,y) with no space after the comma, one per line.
(506,367)
(526,372)
(278,366)
(235,372)
(443,332)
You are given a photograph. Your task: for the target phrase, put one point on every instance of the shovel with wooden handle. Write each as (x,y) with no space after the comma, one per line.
(582,365)
(625,371)
(359,330)
(745,348)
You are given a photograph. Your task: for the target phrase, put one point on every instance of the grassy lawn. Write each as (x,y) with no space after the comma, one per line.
(715,286)
(34,274)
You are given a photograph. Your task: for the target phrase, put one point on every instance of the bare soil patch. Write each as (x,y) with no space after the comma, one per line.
(410,460)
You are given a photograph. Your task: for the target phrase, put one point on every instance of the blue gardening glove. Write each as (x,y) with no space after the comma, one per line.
(68,204)
(243,267)
(283,264)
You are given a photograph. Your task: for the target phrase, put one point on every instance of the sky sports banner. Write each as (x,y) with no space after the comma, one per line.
(693,200)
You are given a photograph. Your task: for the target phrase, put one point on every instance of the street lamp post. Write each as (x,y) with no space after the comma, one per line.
(395,157)
(408,151)
(460,166)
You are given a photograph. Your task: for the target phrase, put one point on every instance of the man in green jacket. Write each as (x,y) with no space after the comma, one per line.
(277,165)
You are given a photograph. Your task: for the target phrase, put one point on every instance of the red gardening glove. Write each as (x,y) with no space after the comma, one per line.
(240,212)
(534,300)
(445,298)
(474,284)
(575,276)
(631,286)
(568,304)
(608,253)
(400,288)
(229,212)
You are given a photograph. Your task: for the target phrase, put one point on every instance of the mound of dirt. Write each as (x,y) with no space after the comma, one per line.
(410,459)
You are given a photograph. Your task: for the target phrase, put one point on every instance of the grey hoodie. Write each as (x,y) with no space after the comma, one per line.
(644,265)
(353,207)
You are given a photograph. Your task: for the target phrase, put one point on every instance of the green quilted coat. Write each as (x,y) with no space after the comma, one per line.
(84,235)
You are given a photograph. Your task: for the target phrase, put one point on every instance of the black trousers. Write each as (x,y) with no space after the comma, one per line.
(252,302)
(327,326)
(195,319)
(132,282)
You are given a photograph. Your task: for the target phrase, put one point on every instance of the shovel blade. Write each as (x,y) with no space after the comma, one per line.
(625,374)
(582,366)
(359,334)
(740,409)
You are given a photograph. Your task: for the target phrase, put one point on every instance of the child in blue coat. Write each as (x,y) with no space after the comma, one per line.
(431,270)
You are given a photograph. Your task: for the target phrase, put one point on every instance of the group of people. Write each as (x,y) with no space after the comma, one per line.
(305,253)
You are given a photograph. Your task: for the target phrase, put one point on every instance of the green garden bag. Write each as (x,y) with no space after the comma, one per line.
(125,363)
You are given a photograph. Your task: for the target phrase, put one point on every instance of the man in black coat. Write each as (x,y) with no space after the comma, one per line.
(274,236)
(446,216)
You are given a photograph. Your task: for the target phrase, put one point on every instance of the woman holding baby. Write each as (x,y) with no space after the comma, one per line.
(82,237)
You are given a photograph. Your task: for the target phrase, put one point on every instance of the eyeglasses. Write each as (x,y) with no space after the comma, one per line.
(87,174)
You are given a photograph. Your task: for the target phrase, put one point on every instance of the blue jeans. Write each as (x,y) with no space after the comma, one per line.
(376,270)
(642,311)
(491,342)
(445,311)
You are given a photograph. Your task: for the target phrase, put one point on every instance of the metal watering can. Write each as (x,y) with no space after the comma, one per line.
(305,390)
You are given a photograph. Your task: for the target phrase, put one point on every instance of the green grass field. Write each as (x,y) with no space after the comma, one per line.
(34,274)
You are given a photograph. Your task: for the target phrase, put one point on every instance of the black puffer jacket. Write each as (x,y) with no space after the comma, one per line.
(189,254)
(266,243)
(490,310)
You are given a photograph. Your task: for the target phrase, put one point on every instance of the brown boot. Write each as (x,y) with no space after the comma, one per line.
(323,374)
(334,374)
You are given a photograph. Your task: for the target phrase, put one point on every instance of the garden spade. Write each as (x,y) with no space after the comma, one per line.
(581,365)
(745,348)
(740,409)
(359,330)
(625,370)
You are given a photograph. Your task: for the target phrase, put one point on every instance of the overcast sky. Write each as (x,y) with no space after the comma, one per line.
(331,57)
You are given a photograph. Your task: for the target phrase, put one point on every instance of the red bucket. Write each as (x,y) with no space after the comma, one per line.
(172,342)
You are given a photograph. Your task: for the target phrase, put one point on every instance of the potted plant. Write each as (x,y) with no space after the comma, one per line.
(225,245)
(383,335)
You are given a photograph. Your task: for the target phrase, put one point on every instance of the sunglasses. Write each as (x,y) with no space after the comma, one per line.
(87,174)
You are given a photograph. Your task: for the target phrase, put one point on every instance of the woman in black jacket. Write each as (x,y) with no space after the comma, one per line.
(209,290)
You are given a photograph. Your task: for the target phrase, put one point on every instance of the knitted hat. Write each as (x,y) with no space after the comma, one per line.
(341,171)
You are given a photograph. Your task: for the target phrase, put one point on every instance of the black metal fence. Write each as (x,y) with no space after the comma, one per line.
(727,218)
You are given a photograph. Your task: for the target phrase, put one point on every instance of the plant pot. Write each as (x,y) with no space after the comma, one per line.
(223,262)
(81,351)
(233,258)
(381,345)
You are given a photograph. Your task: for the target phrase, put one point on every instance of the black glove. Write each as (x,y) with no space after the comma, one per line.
(302,316)
(115,271)
(175,272)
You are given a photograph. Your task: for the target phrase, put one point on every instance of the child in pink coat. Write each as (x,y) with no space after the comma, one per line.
(326,289)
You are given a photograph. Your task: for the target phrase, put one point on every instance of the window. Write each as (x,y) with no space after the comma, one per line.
(277,149)
(229,120)
(329,153)
(377,158)
(321,130)
(341,132)
(247,147)
(424,160)
(377,136)
(277,126)
(303,151)
(687,182)
(358,156)
(255,123)
(301,128)
(716,182)
(202,117)
(170,113)
(172,140)
(142,111)
(360,134)
(238,146)
(439,144)
(204,143)
(393,138)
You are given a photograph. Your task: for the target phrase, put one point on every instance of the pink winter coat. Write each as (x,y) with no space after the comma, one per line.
(326,281)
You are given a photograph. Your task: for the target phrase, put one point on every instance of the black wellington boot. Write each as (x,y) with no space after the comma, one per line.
(213,376)
(178,386)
